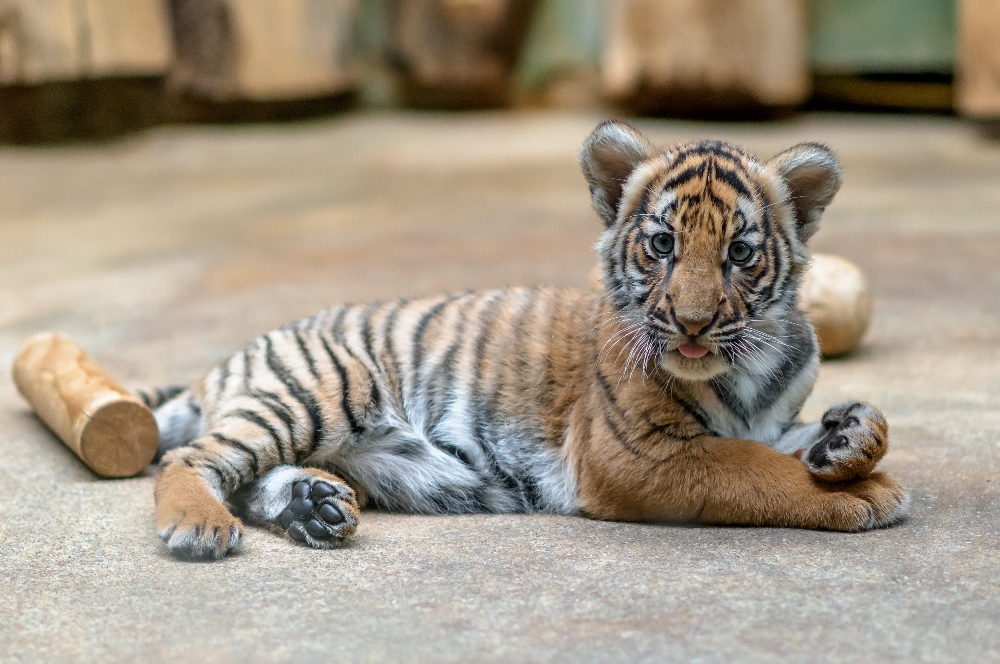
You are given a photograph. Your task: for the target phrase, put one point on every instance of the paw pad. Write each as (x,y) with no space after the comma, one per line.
(312,512)
(853,441)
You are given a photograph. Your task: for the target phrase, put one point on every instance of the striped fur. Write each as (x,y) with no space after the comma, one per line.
(547,400)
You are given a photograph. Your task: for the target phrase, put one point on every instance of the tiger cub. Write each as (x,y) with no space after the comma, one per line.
(672,395)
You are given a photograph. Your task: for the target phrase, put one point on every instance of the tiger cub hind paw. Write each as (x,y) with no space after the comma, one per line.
(309,505)
(855,438)
(321,514)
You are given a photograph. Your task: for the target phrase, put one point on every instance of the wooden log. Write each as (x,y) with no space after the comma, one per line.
(457,53)
(694,55)
(109,428)
(59,40)
(263,50)
(978,71)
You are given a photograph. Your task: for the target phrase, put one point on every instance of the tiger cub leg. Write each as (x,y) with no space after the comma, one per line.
(846,444)
(197,479)
(310,505)
(190,515)
(730,481)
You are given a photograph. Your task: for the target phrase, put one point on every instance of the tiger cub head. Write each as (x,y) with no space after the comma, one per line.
(705,244)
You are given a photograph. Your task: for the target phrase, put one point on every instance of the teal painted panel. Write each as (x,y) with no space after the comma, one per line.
(565,35)
(882,36)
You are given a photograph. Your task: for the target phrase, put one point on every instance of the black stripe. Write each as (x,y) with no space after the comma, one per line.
(300,394)
(335,325)
(223,376)
(366,334)
(618,435)
(274,403)
(691,410)
(689,173)
(731,178)
(480,423)
(280,409)
(218,473)
(527,483)
(768,294)
(310,362)
(388,329)
(444,377)
(631,421)
(714,199)
(456,452)
(255,418)
(226,440)
(417,355)
(339,337)
(345,388)
(609,395)
(724,393)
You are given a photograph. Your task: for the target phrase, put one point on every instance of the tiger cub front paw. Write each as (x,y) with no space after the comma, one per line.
(855,438)
(190,520)
(877,501)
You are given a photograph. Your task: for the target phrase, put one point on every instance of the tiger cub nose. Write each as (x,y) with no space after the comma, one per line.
(694,325)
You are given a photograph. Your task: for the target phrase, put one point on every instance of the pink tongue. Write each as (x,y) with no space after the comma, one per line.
(692,350)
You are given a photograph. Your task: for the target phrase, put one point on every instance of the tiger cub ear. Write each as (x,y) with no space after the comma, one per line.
(813,176)
(608,157)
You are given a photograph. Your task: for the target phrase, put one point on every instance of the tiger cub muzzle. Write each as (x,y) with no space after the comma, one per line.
(694,308)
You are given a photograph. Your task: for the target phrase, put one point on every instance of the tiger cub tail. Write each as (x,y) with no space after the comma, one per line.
(178,416)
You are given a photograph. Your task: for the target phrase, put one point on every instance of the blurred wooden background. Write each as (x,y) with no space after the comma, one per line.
(85,68)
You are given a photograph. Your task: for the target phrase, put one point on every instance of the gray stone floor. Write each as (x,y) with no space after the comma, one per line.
(165,252)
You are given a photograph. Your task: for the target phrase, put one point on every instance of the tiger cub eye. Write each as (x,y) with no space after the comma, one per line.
(740,252)
(662,243)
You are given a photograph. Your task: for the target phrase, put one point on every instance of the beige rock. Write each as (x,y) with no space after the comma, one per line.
(835,295)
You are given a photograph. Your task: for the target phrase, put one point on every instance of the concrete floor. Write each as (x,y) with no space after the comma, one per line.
(163,253)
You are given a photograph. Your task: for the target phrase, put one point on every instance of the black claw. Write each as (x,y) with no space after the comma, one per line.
(322,490)
(300,490)
(838,443)
(850,422)
(330,514)
(316,529)
(296,532)
(286,518)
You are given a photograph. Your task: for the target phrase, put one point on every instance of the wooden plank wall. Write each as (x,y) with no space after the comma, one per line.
(978,74)
(90,67)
